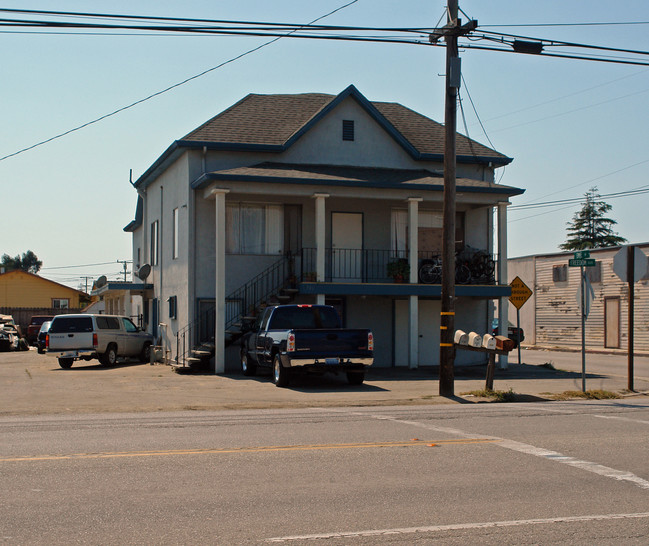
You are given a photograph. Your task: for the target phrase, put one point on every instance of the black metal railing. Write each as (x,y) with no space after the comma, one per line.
(243,301)
(473,266)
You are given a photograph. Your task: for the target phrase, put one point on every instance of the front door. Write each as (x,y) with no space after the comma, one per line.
(346,246)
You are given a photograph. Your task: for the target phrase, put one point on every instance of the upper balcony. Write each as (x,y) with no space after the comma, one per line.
(387,272)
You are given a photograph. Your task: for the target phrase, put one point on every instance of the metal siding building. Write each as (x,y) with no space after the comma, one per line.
(551,317)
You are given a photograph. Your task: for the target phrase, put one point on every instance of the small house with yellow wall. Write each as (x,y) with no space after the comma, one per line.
(19,288)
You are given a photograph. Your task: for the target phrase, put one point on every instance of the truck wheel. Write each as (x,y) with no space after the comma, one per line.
(66,363)
(145,354)
(355,378)
(281,375)
(109,358)
(247,367)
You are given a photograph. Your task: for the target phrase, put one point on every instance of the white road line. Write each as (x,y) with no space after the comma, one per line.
(622,419)
(577,463)
(459,527)
(524,448)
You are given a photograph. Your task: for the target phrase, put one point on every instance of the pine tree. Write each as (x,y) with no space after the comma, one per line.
(590,228)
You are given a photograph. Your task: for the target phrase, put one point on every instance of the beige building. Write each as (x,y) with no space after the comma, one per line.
(551,317)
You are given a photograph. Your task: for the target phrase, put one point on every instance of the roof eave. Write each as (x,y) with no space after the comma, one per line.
(204,180)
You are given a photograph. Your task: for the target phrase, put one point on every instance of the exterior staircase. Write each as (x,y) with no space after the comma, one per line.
(195,342)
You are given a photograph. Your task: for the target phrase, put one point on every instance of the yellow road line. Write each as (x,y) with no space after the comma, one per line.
(258,449)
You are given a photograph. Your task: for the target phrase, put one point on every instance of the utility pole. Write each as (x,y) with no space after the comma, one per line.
(450,32)
(124,262)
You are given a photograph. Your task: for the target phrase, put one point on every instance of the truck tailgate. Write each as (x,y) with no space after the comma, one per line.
(336,342)
(70,340)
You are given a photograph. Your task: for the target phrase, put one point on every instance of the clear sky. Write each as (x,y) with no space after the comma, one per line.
(568,124)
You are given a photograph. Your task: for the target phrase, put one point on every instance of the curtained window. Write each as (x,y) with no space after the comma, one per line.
(254,229)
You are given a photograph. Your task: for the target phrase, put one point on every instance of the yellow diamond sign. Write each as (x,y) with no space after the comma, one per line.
(520,293)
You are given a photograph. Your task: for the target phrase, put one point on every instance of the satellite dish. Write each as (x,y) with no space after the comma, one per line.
(144,272)
(101,281)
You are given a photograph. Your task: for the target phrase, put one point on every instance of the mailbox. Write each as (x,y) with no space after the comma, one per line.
(461,337)
(489,342)
(475,340)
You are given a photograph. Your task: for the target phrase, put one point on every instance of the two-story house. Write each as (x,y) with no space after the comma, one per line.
(315,198)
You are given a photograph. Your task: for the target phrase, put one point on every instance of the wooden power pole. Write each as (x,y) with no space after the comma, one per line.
(450,32)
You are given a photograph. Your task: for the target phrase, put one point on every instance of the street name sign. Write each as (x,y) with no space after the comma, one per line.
(520,293)
(582,254)
(587,262)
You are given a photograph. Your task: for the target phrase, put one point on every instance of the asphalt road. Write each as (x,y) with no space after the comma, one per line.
(539,473)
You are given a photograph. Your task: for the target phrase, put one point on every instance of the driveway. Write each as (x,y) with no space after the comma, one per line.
(35,384)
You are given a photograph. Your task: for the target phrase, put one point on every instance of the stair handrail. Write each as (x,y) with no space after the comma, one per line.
(261,287)
(250,295)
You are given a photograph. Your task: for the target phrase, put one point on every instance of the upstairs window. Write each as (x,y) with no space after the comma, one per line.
(348,129)
(254,229)
(175,240)
(154,243)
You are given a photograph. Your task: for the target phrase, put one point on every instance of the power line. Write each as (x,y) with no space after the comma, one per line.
(82,265)
(174,86)
(593,179)
(592,24)
(544,204)
(288,30)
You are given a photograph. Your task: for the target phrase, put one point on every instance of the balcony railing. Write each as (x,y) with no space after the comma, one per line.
(345,265)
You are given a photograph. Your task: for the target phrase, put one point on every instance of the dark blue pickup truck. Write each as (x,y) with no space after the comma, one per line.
(308,338)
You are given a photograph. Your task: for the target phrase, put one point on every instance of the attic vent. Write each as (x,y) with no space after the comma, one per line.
(348,129)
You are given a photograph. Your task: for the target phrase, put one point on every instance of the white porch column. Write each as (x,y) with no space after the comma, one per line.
(413,260)
(503,303)
(320,240)
(219,292)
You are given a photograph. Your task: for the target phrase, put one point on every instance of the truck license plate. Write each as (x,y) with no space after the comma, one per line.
(331,361)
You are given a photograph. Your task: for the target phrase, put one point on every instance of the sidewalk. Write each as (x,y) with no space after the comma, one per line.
(34,384)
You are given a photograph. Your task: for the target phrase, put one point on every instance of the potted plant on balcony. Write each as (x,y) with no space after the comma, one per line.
(399,270)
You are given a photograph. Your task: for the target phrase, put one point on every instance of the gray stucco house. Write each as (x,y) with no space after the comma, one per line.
(308,198)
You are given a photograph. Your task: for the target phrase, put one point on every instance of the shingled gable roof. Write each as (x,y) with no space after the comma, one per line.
(275,122)
(272,123)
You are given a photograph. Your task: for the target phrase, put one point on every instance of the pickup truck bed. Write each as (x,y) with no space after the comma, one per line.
(306,338)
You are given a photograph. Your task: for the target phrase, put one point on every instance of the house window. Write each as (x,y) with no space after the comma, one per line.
(254,229)
(594,273)
(560,273)
(173,307)
(174,250)
(60,303)
(348,129)
(154,243)
(429,236)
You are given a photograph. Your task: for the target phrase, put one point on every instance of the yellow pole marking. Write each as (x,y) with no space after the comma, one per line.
(447,313)
(446,345)
(443,327)
(260,449)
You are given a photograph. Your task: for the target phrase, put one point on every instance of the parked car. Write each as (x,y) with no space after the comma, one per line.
(306,338)
(105,337)
(10,335)
(42,334)
(35,326)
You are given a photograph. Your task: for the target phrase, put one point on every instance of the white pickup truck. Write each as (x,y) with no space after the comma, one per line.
(105,337)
